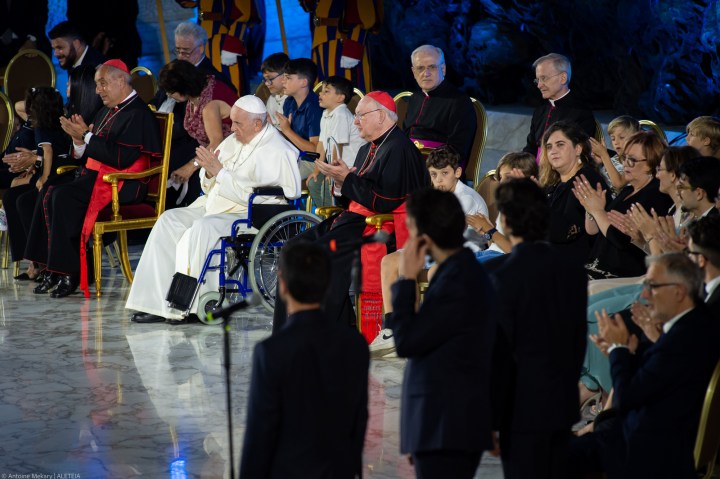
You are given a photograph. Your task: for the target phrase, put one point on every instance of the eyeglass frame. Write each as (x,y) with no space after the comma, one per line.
(184,51)
(420,70)
(631,162)
(360,116)
(653,286)
(544,79)
(268,81)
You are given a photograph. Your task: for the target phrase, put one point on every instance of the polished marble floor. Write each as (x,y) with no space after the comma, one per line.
(86,393)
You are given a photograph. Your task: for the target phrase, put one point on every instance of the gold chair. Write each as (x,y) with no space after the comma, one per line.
(707,442)
(138,216)
(402,100)
(7,121)
(262,92)
(474,164)
(486,188)
(144,82)
(651,125)
(29,68)
(358,95)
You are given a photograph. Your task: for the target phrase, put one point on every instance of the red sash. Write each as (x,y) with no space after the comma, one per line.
(101,197)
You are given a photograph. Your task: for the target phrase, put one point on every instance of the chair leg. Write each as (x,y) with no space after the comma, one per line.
(123,256)
(5,250)
(111,258)
(16,268)
(97,262)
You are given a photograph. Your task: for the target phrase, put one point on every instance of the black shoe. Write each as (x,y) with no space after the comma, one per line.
(48,283)
(143,318)
(68,285)
(191,318)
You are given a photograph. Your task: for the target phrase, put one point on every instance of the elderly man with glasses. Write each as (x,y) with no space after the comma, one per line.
(439,114)
(552,77)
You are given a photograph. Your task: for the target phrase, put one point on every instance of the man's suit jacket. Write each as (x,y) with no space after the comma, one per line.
(307,410)
(568,108)
(542,334)
(660,395)
(445,395)
(93,57)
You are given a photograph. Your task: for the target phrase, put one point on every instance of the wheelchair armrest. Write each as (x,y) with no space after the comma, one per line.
(269,191)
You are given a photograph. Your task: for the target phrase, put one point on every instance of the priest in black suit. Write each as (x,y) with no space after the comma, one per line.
(445,413)
(552,77)
(540,311)
(307,408)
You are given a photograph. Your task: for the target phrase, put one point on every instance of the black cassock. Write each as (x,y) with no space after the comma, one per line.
(121,136)
(382,182)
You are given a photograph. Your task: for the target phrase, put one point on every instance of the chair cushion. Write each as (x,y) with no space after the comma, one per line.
(128,212)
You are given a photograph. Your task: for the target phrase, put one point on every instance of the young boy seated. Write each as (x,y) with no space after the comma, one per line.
(339,136)
(703,134)
(300,118)
(511,165)
(619,129)
(444,167)
(273,72)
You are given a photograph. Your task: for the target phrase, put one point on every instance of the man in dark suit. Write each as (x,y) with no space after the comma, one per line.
(659,395)
(307,410)
(445,415)
(540,310)
(71,49)
(552,77)
(704,250)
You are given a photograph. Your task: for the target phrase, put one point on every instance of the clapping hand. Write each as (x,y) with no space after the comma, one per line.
(592,199)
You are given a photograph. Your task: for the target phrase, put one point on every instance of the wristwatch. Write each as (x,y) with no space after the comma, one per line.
(489,234)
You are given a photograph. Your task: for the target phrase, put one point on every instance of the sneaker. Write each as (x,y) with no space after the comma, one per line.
(384,345)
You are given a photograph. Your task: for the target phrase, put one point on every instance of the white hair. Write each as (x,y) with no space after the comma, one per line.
(388,112)
(431,48)
(191,29)
(560,63)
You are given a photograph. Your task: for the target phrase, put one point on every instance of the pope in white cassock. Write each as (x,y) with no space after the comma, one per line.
(254,155)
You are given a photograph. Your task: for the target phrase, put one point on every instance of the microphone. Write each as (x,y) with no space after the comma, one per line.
(381,236)
(214,317)
(308,155)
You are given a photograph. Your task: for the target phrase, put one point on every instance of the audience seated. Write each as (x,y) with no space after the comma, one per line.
(443,165)
(49,150)
(658,395)
(698,185)
(540,312)
(704,250)
(386,171)
(124,136)
(445,413)
(439,114)
(613,254)
(339,137)
(564,159)
(184,182)
(703,134)
(71,49)
(300,118)
(619,130)
(511,165)
(183,237)
(273,72)
(552,77)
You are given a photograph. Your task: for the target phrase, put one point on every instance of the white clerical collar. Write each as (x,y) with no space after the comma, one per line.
(711,286)
(256,139)
(667,326)
(128,98)
(552,102)
(82,57)
(200,61)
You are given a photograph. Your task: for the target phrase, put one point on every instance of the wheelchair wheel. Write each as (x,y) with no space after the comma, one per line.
(265,251)
(207,303)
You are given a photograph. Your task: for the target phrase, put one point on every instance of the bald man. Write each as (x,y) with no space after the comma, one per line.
(254,155)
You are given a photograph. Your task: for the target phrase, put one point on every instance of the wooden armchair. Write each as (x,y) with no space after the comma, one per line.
(708,438)
(27,69)
(145,83)
(123,218)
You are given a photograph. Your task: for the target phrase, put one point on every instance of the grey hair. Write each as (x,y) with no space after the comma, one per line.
(191,29)
(560,62)
(431,48)
(389,113)
(118,73)
(257,116)
(683,270)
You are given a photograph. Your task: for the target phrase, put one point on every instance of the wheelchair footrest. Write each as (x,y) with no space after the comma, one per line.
(182,291)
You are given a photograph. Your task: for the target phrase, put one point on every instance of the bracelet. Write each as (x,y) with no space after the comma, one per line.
(590,217)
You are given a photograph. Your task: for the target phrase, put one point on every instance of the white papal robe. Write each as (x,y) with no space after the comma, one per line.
(183,237)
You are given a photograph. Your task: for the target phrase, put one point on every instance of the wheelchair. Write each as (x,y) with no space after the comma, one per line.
(247,263)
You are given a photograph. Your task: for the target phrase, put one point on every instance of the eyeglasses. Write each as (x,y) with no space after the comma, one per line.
(268,81)
(422,69)
(652,286)
(185,52)
(692,253)
(360,116)
(630,161)
(544,79)
(682,186)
